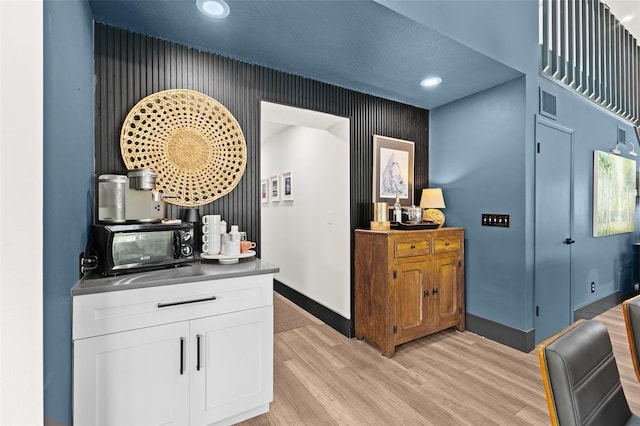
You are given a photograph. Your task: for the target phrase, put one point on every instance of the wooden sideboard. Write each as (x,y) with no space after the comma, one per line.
(408,284)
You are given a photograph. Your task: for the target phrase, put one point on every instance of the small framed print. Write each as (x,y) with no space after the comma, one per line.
(274,188)
(287,186)
(264,190)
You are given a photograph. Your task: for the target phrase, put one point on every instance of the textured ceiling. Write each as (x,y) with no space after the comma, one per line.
(356,44)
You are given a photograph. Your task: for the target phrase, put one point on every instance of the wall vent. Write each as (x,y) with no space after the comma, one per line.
(622,136)
(547,104)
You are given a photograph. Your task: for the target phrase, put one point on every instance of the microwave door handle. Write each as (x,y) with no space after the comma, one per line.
(185,302)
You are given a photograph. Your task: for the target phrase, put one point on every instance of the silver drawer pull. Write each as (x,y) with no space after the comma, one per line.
(206,299)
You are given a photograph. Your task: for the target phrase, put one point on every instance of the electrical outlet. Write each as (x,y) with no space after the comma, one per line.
(500,220)
(593,287)
(80,265)
(86,264)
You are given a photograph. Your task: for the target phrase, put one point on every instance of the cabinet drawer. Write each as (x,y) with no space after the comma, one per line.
(447,243)
(412,247)
(115,311)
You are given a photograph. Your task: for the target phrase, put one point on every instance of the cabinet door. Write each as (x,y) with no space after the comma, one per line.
(447,291)
(232,365)
(137,377)
(409,296)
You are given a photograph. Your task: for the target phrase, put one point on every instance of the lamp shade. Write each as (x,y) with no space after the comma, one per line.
(432,198)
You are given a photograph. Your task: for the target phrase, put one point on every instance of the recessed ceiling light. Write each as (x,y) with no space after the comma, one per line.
(213,8)
(627,18)
(430,81)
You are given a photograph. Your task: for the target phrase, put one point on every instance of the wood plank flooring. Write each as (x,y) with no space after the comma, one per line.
(450,378)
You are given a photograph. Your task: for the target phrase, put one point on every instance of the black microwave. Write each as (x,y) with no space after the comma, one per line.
(123,248)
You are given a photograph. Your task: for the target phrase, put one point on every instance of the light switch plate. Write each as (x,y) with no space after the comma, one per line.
(499,220)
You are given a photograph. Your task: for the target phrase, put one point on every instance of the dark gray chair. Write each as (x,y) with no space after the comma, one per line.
(581,378)
(631,311)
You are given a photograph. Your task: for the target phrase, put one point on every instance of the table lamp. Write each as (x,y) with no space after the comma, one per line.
(431,201)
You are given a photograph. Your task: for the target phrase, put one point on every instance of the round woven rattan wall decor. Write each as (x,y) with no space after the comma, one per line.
(192,142)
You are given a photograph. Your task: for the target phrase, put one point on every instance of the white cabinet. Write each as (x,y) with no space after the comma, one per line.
(198,353)
(132,378)
(235,366)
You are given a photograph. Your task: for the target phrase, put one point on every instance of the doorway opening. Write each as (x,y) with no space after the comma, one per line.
(305,213)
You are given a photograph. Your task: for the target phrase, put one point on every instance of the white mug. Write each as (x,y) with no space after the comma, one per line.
(211,229)
(211,248)
(211,219)
(211,238)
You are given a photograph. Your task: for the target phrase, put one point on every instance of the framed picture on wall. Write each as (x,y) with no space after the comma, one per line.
(264,190)
(274,188)
(393,161)
(287,186)
(614,194)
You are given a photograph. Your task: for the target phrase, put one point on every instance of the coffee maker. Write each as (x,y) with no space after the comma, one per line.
(138,199)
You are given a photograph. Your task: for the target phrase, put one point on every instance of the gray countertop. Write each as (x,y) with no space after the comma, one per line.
(197,271)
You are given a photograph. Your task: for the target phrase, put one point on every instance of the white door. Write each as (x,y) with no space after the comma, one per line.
(553,229)
(137,377)
(231,364)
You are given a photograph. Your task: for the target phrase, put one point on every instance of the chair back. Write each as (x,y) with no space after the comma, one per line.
(581,378)
(631,311)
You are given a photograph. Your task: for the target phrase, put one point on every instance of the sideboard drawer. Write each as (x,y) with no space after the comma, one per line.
(412,247)
(447,243)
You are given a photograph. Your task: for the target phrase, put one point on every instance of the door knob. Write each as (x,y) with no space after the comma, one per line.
(569,241)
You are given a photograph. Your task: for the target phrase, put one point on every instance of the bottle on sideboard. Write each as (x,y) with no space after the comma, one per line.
(397,210)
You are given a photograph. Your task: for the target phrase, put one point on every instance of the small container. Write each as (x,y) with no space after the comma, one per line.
(111,198)
(380,212)
(234,234)
(415,214)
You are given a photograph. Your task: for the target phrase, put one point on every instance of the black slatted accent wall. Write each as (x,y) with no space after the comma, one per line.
(130,66)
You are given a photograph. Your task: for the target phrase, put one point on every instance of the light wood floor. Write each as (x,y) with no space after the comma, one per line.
(450,378)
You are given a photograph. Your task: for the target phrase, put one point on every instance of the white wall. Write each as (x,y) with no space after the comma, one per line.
(21,105)
(308,238)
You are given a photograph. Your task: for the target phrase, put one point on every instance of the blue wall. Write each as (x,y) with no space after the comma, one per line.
(602,259)
(477,156)
(68,184)
(508,32)
(500,267)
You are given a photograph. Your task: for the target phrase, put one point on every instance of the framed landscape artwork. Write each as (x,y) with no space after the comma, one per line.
(614,194)
(393,161)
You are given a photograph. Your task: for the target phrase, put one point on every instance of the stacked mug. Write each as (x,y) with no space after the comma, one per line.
(211,234)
